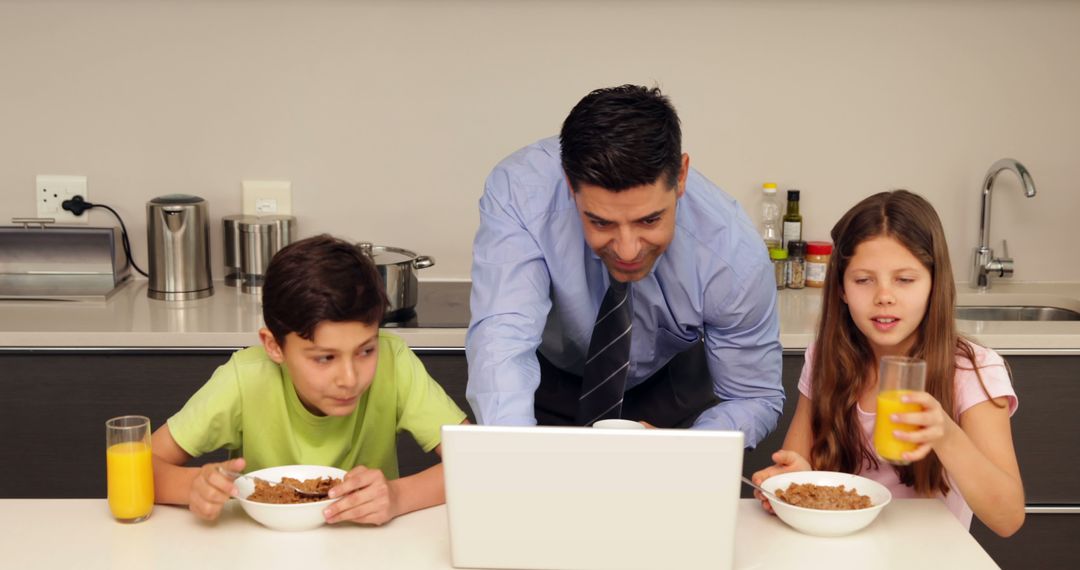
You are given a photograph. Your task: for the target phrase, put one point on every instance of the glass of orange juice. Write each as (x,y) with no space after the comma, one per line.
(129,467)
(898,375)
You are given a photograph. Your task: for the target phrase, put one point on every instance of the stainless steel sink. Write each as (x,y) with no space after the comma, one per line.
(1015,313)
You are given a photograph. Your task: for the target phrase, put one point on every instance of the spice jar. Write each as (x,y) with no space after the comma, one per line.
(796,273)
(779,259)
(817,262)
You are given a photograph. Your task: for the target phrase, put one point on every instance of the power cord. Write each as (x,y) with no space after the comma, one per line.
(78,206)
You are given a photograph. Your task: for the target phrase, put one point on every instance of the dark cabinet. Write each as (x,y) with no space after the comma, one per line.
(1045,541)
(53,407)
(1045,429)
(1046,425)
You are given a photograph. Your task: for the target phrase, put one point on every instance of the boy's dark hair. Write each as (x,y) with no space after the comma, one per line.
(318,279)
(621,137)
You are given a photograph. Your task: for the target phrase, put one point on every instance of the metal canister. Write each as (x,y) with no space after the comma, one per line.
(234,255)
(286,229)
(258,239)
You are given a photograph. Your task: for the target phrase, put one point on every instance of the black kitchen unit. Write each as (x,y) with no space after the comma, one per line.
(55,402)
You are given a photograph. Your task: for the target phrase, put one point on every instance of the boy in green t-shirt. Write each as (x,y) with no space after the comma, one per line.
(325,387)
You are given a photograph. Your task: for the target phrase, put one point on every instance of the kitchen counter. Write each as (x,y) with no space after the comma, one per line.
(70,533)
(229,319)
(799,311)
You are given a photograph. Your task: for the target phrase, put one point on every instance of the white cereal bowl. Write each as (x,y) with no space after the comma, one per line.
(301,516)
(820,522)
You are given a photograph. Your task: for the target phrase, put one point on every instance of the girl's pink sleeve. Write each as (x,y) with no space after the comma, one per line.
(807,367)
(994,376)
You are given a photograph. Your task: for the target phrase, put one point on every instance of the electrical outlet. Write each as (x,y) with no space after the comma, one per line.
(264,197)
(52,190)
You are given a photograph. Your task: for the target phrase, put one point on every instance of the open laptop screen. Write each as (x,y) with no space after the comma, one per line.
(584,498)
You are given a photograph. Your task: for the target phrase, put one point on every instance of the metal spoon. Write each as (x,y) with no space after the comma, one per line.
(234,475)
(768,494)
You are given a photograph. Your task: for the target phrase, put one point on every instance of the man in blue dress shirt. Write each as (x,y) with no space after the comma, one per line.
(614,197)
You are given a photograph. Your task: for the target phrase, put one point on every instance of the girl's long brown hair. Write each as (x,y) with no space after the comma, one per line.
(843,361)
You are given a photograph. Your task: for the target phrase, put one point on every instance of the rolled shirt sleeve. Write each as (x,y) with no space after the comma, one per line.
(509,304)
(744,355)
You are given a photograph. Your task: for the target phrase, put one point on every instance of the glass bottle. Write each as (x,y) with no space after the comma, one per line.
(792,219)
(770,216)
(796,274)
(779,259)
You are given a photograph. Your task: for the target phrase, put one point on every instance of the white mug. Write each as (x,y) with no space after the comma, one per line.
(618,424)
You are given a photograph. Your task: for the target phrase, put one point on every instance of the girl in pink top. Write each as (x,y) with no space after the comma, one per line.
(889,290)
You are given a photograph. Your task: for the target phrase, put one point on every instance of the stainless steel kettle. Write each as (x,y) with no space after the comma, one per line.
(178,234)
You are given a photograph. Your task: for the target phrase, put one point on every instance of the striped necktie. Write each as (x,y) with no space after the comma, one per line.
(608,359)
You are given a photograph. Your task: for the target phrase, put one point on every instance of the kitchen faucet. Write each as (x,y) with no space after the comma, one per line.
(985,263)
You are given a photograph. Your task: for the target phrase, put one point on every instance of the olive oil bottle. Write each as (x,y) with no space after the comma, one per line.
(792,219)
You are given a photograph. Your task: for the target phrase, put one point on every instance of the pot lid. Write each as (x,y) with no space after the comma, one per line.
(386,255)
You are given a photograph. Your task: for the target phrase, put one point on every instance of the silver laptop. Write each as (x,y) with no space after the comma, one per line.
(565,498)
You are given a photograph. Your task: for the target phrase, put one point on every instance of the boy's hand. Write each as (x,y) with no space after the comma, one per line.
(366,498)
(211,489)
(785,462)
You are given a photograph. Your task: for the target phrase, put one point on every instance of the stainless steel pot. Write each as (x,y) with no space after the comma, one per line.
(398,269)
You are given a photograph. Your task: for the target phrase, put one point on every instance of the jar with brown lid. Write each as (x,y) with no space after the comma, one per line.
(817,262)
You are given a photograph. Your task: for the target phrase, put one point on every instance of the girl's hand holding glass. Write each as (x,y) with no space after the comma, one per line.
(898,377)
(784,462)
(934,425)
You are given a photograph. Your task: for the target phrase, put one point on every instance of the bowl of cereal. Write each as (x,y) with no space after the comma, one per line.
(268,496)
(826,503)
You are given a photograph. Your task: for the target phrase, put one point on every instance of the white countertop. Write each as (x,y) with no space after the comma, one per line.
(229,319)
(80,533)
(799,311)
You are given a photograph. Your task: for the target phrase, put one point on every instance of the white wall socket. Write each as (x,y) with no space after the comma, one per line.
(264,197)
(52,190)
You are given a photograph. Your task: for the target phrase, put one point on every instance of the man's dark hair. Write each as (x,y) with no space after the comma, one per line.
(621,137)
(319,279)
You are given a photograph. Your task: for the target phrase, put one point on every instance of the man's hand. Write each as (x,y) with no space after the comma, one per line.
(366,498)
(211,489)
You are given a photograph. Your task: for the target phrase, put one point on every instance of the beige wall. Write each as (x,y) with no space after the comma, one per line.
(387,116)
